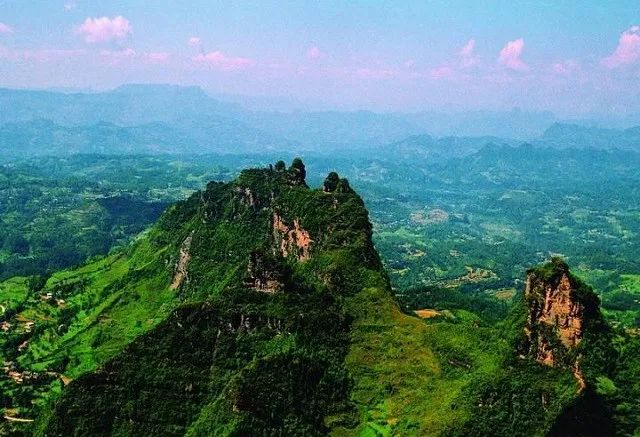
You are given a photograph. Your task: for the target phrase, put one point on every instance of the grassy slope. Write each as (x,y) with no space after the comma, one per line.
(409,374)
(623,289)
(13,291)
(94,312)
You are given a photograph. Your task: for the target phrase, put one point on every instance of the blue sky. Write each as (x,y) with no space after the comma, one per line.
(571,57)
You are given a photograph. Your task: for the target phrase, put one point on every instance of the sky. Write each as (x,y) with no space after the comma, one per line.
(569,57)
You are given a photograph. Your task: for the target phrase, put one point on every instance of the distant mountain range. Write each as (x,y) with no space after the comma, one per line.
(173,119)
(133,118)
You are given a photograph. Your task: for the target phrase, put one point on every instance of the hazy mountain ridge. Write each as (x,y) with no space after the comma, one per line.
(173,119)
(152,119)
(208,121)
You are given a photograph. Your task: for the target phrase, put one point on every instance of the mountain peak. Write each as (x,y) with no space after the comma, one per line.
(258,272)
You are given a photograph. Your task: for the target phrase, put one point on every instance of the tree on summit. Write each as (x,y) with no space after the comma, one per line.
(298,172)
(331,182)
(343,186)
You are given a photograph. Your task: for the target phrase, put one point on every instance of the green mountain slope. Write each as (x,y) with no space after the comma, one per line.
(261,307)
(277,264)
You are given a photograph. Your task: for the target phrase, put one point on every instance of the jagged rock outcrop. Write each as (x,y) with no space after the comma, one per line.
(560,376)
(291,239)
(297,173)
(557,306)
(246,196)
(334,184)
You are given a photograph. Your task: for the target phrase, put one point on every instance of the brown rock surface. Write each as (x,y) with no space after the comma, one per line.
(180,272)
(292,239)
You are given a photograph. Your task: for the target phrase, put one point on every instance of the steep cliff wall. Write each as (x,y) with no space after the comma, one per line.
(559,307)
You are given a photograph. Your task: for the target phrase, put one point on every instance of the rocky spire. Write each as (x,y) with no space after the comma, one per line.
(558,305)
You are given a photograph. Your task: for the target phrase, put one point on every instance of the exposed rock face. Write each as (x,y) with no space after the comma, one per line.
(291,239)
(555,317)
(559,309)
(180,272)
(276,359)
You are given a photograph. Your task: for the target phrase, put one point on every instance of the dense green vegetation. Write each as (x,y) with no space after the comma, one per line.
(58,212)
(268,361)
(473,223)
(148,288)
(49,224)
(523,397)
(105,305)
(477,223)
(455,237)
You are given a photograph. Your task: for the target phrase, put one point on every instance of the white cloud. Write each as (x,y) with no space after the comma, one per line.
(115,57)
(467,54)
(104,29)
(468,49)
(157,57)
(39,55)
(510,55)
(565,67)
(314,53)
(627,51)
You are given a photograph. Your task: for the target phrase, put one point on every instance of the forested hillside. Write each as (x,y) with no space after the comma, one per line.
(261,305)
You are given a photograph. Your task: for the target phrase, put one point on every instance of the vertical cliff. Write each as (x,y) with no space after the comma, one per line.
(560,354)
(557,305)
